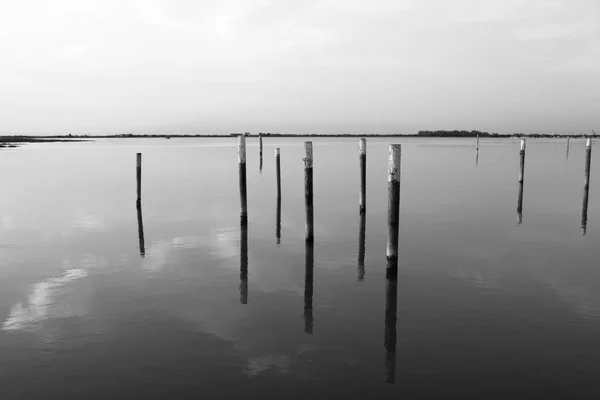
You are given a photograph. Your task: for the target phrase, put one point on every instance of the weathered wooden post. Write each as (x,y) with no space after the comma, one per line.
(308,286)
(520,205)
(242,169)
(308,191)
(393,211)
(584,210)
(139,176)
(260,143)
(522,163)
(140,229)
(362,151)
(278,171)
(391,311)
(361,246)
(588,162)
(243,263)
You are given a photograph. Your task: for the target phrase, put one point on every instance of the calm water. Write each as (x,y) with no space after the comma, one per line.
(486,307)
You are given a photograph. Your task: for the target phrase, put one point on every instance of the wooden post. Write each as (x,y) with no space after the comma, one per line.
(140,229)
(584,210)
(520,204)
(361,246)
(139,176)
(278,222)
(308,286)
(477,142)
(242,169)
(522,163)
(362,155)
(391,308)
(308,191)
(278,171)
(393,211)
(260,144)
(588,161)
(243,263)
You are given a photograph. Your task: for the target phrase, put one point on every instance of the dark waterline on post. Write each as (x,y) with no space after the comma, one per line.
(244,263)
(140,229)
(309,250)
(393,211)
(308,191)
(584,210)
(139,175)
(391,316)
(361,245)
(242,179)
(278,222)
(278,171)
(520,205)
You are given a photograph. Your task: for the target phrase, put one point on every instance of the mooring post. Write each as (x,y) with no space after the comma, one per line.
(362,155)
(309,250)
(584,210)
(477,142)
(139,176)
(242,168)
(260,144)
(522,162)
(140,229)
(588,162)
(308,190)
(278,171)
(520,205)
(243,263)
(391,308)
(361,246)
(393,211)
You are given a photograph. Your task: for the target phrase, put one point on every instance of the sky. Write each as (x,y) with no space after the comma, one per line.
(289,66)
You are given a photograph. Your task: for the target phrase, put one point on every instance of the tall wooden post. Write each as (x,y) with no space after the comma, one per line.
(278,171)
(242,170)
(522,162)
(308,191)
(362,150)
(139,176)
(393,211)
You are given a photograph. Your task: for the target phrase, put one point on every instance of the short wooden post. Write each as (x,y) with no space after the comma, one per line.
(278,171)
(520,205)
(522,162)
(584,210)
(362,155)
(393,211)
(140,229)
(588,162)
(361,246)
(308,286)
(391,316)
(244,263)
(139,176)
(308,190)
(242,169)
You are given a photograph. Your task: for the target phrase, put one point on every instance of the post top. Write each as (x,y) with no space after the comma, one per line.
(308,159)
(588,144)
(241,149)
(523,144)
(394,162)
(362,146)
(277,151)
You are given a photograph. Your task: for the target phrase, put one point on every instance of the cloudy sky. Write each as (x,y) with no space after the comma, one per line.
(204,66)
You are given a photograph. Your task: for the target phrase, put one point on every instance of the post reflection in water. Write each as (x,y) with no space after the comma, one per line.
(308,287)
(520,204)
(244,263)
(391,309)
(477,158)
(140,229)
(361,246)
(584,210)
(278,221)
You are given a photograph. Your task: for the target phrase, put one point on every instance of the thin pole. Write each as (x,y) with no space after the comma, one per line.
(584,210)
(520,205)
(361,246)
(278,171)
(260,141)
(588,162)
(308,191)
(477,142)
(522,161)
(242,169)
(362,150)
(243,263)
(139,176)
(140,229)
(568,145)
(393,211)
